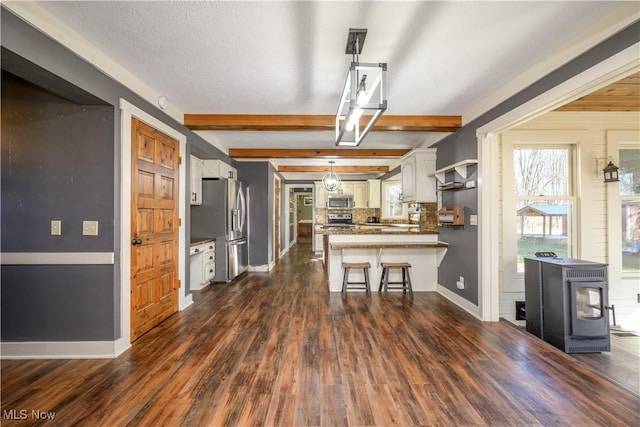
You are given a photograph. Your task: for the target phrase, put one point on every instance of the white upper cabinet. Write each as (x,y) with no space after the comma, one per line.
(373,196)
(347,187)
(360,195)
(196,181)
(366,194)
(218,169)
(320,195)
(418,182)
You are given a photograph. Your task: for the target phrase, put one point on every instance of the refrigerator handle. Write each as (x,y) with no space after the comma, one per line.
(242,206)
(238,242)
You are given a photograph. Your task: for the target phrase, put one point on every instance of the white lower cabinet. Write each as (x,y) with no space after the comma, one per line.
(318,243)
(202,265)
(209,261)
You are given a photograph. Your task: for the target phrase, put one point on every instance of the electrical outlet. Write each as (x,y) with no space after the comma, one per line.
(89,228)
(56,227)
(461,279)
(473,219)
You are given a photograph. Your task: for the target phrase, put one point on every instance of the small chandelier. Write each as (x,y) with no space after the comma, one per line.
(331,180)
(611,173)
(358,98)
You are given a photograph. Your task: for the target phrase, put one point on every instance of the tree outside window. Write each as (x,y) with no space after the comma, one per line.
(392,207)
(542,188)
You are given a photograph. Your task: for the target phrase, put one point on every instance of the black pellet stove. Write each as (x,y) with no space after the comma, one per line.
(567,302)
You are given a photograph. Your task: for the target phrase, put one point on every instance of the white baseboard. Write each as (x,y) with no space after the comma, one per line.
(259,268)
(188,300)
(467,306)
(63,349)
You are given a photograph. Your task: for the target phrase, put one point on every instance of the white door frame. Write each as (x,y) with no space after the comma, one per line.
(276,256)
(608,71)
(288,188)
(287,234)
(128,111)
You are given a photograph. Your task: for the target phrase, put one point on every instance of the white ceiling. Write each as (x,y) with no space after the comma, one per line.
(288,57)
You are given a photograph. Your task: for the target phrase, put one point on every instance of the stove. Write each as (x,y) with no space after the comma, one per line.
(339,221)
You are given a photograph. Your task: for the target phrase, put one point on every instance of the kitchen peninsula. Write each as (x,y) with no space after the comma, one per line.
(419,247)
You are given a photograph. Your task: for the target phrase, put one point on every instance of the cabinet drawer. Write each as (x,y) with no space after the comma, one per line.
(209,271)
(209,256)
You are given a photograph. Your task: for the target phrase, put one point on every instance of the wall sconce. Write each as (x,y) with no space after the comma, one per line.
(610,173)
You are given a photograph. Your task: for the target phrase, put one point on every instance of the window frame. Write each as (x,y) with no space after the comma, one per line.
(617,140)
(393,181)
(512,280)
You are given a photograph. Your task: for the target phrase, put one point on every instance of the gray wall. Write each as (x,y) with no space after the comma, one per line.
(461,258)
(33,56)
(57,163)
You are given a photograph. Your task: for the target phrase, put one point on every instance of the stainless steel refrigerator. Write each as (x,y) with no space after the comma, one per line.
(223,215)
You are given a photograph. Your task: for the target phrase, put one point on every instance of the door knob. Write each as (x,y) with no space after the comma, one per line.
(136,241)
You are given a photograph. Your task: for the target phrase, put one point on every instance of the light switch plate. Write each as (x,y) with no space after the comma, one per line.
(56,227)
(89,228)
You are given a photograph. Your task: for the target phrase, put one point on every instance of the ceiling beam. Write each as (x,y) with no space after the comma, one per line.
(296,122)
(275,153)
(339,169)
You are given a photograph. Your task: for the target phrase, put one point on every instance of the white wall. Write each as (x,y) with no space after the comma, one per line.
(591,192)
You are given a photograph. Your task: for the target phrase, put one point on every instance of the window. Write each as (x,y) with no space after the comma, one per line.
(392,206)
(542,189)
(629,174)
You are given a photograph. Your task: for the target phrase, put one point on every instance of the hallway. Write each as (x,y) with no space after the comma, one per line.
(278,349)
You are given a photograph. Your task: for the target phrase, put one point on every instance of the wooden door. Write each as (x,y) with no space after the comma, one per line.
(154,227)
(276,207)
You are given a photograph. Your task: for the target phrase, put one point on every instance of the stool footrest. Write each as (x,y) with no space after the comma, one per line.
(346,284)
(406,278)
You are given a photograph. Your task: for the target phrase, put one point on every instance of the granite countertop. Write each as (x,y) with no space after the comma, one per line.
(200,240)
(379,230)
(389,245)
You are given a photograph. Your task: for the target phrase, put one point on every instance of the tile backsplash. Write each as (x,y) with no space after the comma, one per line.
(359,215)
(427,217)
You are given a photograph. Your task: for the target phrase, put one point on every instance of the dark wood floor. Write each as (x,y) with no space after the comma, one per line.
(278,349)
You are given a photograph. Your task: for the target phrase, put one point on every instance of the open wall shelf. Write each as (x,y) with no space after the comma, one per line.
(459,167)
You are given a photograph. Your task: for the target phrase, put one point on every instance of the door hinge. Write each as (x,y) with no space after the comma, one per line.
(179,160)
(179,222)
(179,283)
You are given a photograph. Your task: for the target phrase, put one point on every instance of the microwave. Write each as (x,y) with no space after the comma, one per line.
(342,201)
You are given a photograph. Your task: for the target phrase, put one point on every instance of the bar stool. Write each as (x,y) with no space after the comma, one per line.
(406,279)
(365,266)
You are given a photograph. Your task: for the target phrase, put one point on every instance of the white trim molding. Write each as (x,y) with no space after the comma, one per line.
(57,258)
(614,68)
(61,350)
(464,304)
(128,111)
